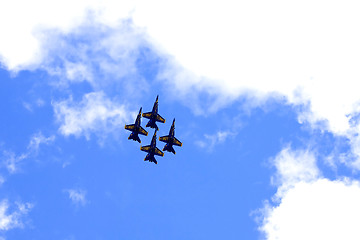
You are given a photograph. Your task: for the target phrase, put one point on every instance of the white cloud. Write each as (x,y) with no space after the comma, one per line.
(14,219)
(292,167)
(265,47)
(322,209)
(308,206)
(95,113)
(232,46)
(77,196)
(98,54)
(22,23)
(306,52)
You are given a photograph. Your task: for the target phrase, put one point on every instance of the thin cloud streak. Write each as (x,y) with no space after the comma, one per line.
(12,161)
(211,140)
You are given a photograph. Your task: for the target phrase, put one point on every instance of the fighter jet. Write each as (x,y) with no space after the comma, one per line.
(152,150)
(136,129)
(154,116)
(170,140)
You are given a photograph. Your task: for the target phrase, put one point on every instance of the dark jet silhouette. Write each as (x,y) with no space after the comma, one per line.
(154,116)
(152,150)
(170,140)
(136,129)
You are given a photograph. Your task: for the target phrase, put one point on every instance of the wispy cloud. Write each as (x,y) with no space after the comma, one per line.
(2,180)
(77,196)
(211,140)
(38,139)
(11,161)
(94,114)
(14,219)
(95,52)
(30,105)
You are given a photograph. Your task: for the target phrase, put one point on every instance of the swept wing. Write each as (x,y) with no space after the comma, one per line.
(147,115)
(158,152)
(143,131)
(130,127)
(160,118)
(145,148)
(164,139)
(167,139)
(177,142)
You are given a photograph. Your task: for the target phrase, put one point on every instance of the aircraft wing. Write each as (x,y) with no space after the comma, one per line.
(158,152)
(164,139)
(147,115)
(145,148)
(177,142)
(143,131)
(160,118)
(130,127)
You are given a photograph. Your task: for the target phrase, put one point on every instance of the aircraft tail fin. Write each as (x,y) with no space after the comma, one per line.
(152,124)
(169,148)
(150,158)
(160,118)
(134,137)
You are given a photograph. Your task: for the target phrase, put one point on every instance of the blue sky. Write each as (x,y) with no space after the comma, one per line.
(204,191)
(270,139)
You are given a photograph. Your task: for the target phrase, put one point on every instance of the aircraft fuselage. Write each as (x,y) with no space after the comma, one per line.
(136,129)
(153,116)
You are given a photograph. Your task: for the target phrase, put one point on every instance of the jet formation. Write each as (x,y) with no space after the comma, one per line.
(151,149)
